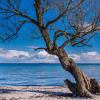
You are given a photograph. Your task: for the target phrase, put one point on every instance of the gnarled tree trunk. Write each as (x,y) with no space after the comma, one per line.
(84,86)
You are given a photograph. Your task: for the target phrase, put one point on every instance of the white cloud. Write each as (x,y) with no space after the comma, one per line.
(11,54)
(45,54)
(75,57)
(43,57)
(87,57)
(27,57)
(91,56)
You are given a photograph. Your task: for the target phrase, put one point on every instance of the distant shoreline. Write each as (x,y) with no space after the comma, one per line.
(52,63)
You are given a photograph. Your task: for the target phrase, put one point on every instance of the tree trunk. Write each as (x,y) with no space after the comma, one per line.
(84,86)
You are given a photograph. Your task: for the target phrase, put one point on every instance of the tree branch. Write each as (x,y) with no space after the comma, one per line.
(60,15)
(65,43)
(17,30)
(40,49)
(60,33)
(64,11)
(19,13)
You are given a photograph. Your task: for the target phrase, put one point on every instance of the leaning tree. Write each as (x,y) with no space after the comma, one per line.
(72,22)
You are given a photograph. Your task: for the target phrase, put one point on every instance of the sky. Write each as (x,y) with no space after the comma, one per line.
(21,50)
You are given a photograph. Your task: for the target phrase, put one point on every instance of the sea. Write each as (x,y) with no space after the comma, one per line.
(41,74)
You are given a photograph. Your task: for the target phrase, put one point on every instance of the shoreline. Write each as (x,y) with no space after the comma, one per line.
(38,93)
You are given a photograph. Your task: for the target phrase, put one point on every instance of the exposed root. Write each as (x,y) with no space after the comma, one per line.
(95,86)
(82,92)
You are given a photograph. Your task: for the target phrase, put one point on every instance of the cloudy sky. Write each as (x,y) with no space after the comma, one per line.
(21,49)
(31,56)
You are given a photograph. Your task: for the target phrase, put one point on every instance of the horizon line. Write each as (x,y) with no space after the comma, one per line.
(44,63)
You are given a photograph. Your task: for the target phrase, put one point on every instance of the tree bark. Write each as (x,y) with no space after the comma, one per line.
(84,86)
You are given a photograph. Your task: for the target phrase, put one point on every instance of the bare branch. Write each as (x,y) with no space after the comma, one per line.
(40,49)
(59,16)
(15,33)
(18,13)
(65,11)
(81,23)
(60,33)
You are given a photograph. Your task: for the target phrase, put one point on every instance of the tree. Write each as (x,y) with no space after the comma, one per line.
(79,21)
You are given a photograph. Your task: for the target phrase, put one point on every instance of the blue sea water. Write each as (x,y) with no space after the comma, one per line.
(41,74)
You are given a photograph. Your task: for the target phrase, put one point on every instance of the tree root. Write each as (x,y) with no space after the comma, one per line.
(95,86)
(74,88)
(82,91)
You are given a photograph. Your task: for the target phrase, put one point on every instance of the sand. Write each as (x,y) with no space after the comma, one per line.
(38,93)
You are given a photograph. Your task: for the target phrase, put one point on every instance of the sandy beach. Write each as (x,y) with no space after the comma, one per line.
(38,93)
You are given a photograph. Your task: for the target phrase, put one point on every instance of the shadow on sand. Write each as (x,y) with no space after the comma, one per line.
(45,92)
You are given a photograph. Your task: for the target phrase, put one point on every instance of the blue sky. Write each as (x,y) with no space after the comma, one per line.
(21,49)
